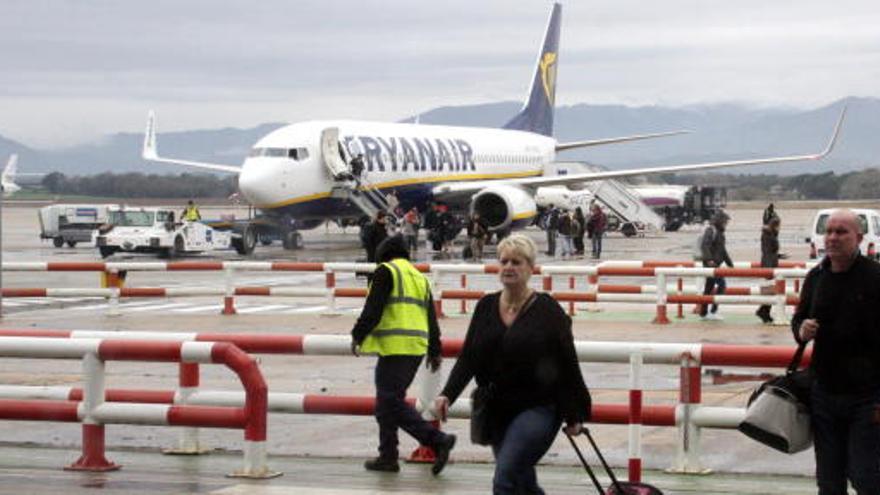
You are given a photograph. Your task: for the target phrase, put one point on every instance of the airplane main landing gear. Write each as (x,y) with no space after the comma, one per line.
(246,241)
(292,240)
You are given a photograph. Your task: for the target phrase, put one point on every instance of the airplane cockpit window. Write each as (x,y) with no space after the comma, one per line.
(297,154)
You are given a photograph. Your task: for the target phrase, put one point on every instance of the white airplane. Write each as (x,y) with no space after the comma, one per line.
(7,179)
(299,175)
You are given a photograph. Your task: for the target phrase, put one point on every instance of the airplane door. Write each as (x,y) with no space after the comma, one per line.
(330,152)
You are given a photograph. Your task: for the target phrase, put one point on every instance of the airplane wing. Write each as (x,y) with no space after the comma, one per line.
(8,175)
(151,153)
(598,142)
(455,189)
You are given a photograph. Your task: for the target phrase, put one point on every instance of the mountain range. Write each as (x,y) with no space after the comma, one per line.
(719,132)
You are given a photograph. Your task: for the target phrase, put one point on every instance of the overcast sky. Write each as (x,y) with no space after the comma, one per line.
(73,70)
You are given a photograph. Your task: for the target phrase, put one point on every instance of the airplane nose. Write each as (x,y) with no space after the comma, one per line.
(253,183)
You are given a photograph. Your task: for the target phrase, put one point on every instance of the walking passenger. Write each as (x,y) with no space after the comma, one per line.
(551,225)
(567,226)
(578,238)
(478,232)
(399,324)
(596,229)
(714,253)
(519,346)
(770,257)
(839,309)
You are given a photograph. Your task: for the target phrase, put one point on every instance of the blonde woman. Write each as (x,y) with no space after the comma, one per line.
(520,345)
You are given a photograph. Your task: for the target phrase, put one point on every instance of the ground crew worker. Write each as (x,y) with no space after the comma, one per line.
(191,212)
(399,324)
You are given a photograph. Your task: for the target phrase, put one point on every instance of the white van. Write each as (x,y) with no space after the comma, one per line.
(870,224)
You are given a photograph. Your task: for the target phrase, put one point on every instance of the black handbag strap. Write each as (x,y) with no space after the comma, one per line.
(796,359)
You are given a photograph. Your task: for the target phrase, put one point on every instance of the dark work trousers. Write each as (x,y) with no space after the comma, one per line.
(393,376)
(711,283)
(847,441)
(526,440)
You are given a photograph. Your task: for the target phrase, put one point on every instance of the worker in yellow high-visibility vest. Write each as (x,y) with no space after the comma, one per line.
(191,212)
(399,324)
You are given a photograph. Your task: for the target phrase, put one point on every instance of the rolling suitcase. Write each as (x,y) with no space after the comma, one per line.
(617,487)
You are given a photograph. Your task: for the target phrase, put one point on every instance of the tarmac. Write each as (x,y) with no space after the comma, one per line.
(323,454)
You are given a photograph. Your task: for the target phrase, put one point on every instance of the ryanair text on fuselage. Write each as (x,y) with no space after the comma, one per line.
(412,154)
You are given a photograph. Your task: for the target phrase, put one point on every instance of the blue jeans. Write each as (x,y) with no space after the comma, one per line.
(597,245)
(526,440)
(847,441)
(711,283)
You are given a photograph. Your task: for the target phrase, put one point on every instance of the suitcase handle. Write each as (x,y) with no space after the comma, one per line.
(586,432)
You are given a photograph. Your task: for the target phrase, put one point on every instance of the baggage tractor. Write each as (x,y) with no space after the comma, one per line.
(617,487)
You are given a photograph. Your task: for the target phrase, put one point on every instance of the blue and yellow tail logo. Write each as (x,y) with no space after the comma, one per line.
(548,75)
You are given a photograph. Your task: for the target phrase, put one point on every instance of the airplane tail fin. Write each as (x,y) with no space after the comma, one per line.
(537,113)
(8,176)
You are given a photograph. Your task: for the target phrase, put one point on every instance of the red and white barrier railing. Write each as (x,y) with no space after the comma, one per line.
(94,411)
(689,415)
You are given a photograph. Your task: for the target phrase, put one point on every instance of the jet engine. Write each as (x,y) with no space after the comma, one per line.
(504,207)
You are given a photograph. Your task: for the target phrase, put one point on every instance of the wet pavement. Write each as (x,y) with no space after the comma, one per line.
(323,454)
(37,471)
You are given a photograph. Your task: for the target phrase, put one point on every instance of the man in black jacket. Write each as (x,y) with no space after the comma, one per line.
(714,254)
(839,308)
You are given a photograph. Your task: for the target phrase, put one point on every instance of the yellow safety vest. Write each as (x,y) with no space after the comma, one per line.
(403,329)
(191,214)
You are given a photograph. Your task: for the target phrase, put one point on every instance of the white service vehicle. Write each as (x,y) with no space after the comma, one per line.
(154,230)
(72,223)
(869,221)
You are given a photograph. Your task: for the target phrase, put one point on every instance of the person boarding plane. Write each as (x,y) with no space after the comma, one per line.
(7,179)
(299,175)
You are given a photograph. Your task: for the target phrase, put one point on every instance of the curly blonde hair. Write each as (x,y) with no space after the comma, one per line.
(521,245)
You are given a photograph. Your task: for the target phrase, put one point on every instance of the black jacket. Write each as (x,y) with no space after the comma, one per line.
(769,247)
(531,363)
(846,351)
(714,246)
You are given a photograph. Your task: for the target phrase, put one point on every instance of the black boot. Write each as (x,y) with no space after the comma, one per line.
(441,453)
(382,464)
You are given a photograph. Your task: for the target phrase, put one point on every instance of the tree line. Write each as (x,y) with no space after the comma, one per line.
(863,184)
(138,185)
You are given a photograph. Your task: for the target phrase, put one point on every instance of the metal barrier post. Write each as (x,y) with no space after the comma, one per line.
(690,395)
(779,316)
(593,286)
(463,287)
(228,298)
(635,417)
(571,285)
(680,287)
(92,458)
(429,387)
(438,302)
(330,284)
(188,383)
(660,317)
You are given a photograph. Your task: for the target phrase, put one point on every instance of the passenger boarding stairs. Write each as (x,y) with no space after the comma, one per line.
(357,190)
(617,199)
